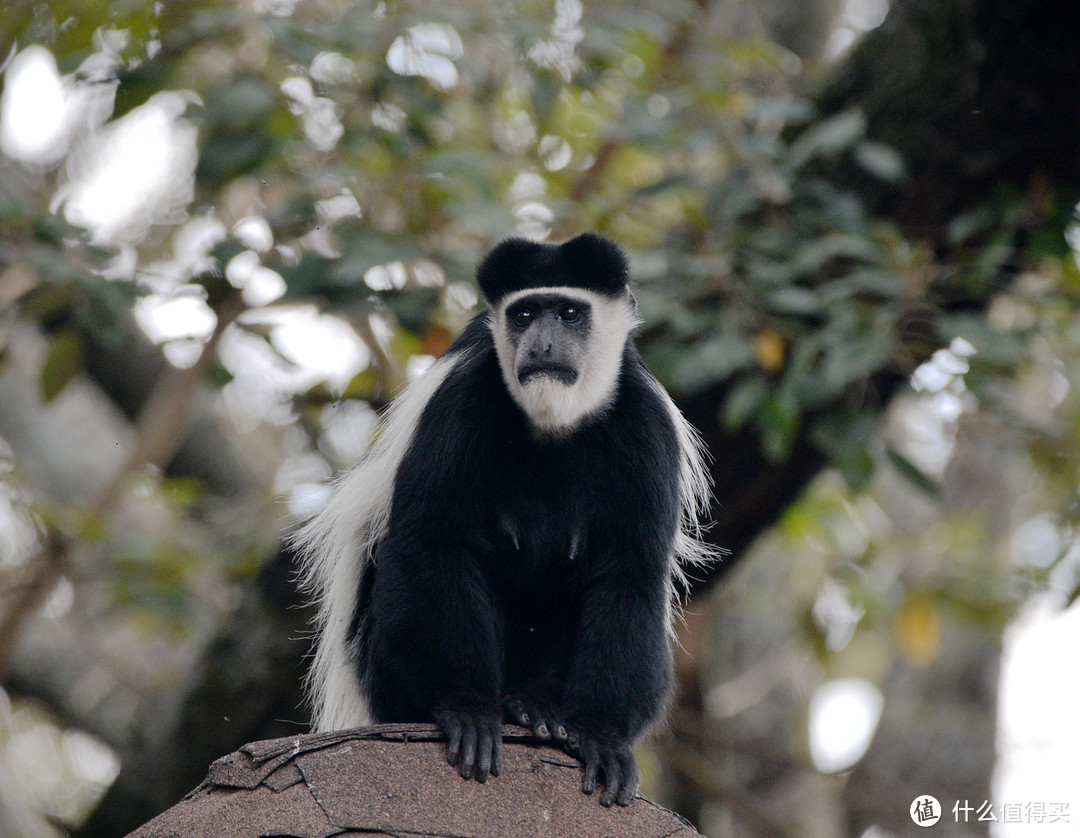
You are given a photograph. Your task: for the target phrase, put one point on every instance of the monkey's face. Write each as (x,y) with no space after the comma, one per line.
(560,351)
(549,334)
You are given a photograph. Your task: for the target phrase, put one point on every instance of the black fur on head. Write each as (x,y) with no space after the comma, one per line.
(587,261)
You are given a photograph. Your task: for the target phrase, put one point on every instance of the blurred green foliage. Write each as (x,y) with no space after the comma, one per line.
(387,145)
(764,283)
(757,274)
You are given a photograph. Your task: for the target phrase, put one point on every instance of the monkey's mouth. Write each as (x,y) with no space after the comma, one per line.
(552,369)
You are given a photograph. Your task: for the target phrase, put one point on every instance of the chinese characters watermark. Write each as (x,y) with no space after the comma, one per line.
(1012,811)
(926,811)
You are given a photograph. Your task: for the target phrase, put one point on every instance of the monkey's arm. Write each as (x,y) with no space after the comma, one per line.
(437,643)
(435,651)
(620,669)
(619,677)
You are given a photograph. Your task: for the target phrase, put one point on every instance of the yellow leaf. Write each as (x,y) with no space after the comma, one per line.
(62,362)
(918,630)
(769,350)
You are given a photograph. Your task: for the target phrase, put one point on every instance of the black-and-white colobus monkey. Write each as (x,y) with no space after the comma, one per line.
(509,546)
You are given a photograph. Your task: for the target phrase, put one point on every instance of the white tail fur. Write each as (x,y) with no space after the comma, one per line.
(339,541)
(695,493)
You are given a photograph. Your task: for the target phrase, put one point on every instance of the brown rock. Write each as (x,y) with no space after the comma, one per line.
(393,780)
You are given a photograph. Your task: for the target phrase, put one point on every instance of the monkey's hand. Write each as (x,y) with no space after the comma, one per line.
(611,758)
(474,741)
(543,720)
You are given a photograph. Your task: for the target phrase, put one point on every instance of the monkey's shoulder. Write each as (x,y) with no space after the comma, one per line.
(642,407)
(475,335)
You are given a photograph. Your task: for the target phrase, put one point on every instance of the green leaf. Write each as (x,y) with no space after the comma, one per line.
(742,402)
(63,361)
(140,82)
(183,492)
(710,361)
(813,257)
(412,307)
(882,161)
(970,223)
(226,157)
(844,436)
(828,137)
(363,251)
(310,276)
(363,385)
(918,478)
(991,346)
(663,184)
(792,300)
(240,105)
(852,358)
(49,303)
(404,344)
(780,421)
(238,136)
(876,282)
(545,93)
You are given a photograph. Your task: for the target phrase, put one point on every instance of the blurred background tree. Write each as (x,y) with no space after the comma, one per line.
(230,231)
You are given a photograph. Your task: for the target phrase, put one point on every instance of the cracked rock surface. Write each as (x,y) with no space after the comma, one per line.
(393,780)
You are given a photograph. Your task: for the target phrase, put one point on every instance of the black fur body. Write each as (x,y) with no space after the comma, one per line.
(508,548)
(518,568)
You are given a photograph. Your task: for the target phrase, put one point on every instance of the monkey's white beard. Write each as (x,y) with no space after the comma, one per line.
(554,408)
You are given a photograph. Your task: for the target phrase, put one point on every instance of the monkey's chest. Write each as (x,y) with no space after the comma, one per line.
(543,512)
(538,578)
(543,530)
(540,550)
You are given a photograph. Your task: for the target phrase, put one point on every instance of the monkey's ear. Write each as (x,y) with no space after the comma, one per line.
(587,261)
(595,262)
(508,268)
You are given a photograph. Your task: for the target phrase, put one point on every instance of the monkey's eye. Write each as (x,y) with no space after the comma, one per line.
(523,317)
(569,313)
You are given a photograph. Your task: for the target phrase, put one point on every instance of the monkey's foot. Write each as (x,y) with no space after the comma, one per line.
(543,722)
(615,762)
(474,742)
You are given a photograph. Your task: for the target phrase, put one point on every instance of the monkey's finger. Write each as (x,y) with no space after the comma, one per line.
(541,730)
(559,732)
(483,760)
(515,709)
(631,780)
(613,779)
(452,728)
(589,783)
(496,754)
(468,749)
(592,766)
